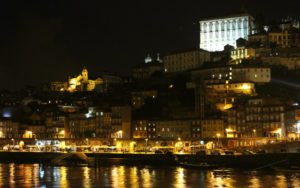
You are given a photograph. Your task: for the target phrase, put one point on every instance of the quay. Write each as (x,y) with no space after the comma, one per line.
(226,161)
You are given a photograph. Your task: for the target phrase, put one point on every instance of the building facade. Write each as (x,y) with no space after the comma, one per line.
(215,33)
(185,60)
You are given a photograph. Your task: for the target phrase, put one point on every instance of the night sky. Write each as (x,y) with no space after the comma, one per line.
(44,41)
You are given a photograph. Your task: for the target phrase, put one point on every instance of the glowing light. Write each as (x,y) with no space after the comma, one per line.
(245,86)
(229,130)
(6,114)
(277,131)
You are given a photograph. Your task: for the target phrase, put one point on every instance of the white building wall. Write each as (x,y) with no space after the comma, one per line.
(216,33)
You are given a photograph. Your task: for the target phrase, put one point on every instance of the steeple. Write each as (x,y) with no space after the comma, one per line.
(85,74)
(158,58)
(148,59)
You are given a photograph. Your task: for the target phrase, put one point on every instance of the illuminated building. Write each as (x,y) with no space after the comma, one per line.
(56,124)
(234,74)
(260,117)
(121,122)
(293,131)
(78,83)
(59,86)
(196,129)
(173,129)
(81,126)
(217,32)
(283,37)
(240,53)
(144,129)
(239,88)
(9,128)
(139,129)
(103,124)
(212,127)
(251,74)
(82,82)
(185,60)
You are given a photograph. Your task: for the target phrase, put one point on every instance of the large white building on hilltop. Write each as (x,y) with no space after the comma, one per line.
(215,33)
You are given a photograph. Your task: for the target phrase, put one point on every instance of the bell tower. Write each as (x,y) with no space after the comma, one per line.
(85,74)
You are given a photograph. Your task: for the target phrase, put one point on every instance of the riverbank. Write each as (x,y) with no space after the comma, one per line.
(228,161)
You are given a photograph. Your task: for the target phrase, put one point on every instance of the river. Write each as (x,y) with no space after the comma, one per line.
(37,175)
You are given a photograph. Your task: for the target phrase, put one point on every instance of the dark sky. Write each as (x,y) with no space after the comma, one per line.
(49,40)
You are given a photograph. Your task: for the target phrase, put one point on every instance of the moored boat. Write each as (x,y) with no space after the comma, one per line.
(287,170)
(198,165)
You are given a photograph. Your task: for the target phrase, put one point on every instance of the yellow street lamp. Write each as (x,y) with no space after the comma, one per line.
(62,132)
(28,134)
(146,139)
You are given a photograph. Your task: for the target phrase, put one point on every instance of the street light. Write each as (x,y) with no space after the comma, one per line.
(218,135)
(146,145)
(62,132)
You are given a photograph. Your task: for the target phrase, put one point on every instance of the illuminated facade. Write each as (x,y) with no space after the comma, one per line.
(215,33)
(174,129)
(240,53)
(246,88)
(260,117)
(212,128)
(234,74)
(82,82)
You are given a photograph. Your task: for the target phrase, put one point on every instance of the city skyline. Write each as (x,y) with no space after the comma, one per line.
(48,41)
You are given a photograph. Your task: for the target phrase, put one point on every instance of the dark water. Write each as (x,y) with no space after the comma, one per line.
(35,175)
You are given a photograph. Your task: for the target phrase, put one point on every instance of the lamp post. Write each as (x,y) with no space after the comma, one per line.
(254,136)
(146,145)
(218,135)
(13,140)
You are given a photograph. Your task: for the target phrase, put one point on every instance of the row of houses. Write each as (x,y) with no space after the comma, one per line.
(256,118)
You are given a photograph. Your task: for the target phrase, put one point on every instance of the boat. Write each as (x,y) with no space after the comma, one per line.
(198,165)
(287,170)
(72,159)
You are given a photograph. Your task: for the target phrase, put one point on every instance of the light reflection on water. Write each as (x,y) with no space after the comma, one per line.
(35,175)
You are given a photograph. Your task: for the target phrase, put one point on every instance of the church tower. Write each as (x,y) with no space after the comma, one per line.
(85,75)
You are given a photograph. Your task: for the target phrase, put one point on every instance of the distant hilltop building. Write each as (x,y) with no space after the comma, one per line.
(82,82)
(217,32)
(185,60)
(149,59)
(78,83)
(145,70)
